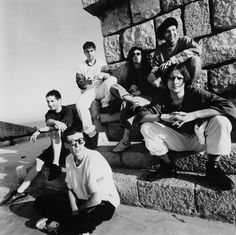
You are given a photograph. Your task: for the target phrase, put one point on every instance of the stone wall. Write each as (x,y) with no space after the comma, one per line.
(212,23)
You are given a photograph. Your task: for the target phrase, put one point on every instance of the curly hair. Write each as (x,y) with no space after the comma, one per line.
(144,61)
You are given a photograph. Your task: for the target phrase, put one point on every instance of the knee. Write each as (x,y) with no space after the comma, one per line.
(111,80)
(145,128)
(221,123)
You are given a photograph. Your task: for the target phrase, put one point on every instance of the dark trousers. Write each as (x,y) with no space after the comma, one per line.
(57,207)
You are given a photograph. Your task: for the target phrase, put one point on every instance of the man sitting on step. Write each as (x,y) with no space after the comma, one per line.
(58,119)
(93,84)
(188,119)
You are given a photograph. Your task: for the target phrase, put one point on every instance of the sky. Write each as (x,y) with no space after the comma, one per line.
(40,47)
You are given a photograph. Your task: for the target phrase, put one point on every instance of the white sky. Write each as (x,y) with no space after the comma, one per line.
(40,47)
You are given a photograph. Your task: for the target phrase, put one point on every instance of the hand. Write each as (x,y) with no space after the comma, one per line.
(75,212)
(139,102)
(133,88)
(61,126)
(166,65)
(182,117)
(167,117)
(155,69)
(136,93)
(34,136)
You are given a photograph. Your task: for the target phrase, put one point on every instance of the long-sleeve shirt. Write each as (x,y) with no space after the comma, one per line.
(194,99)
(184,49)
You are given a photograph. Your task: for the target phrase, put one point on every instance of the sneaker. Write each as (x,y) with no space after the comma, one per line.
(21,173)
(54,172)
(217,177)
(121,147)
(14,197)
(49,226)
(166,170)
(91,140)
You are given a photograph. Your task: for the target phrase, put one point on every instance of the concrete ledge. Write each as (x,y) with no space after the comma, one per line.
(138,157)
(188,194)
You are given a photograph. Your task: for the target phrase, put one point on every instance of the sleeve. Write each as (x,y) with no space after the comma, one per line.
(49,115)
(82,82)
(218,103)
(67,115)
(97,174)
(192,49)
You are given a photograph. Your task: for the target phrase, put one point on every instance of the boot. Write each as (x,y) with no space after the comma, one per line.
(166,170)
(217,177)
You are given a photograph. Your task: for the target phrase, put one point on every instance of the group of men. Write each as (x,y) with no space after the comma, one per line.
(168,123)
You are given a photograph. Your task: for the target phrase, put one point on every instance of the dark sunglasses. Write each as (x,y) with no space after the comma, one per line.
(78,141)
(178,77)
(137,53)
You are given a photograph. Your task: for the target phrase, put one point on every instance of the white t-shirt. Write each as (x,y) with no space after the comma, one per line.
(92,175)
(91,71)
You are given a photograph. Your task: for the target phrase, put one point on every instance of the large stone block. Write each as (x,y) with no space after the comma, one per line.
(142,10)
(202,81)
(175,14)
(112,48)
(219,48)
(120,71)
(142,35)
(168,5)
(224,14)
(115,19)
(223,78)
(197,19)
(171,194)
(126,184)
(218,205)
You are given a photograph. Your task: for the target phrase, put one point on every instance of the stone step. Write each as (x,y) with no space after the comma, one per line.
(138,157)
(188,194)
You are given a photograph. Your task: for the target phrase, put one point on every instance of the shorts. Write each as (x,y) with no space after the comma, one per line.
(47,156)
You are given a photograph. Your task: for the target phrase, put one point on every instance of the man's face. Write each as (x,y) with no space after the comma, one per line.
(90,53)
(53,103)
(175,82)
(75,143)
(137,57)
(171,34)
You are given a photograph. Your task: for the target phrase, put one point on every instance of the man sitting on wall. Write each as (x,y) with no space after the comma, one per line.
(93,84)
(175,50)
(58,118)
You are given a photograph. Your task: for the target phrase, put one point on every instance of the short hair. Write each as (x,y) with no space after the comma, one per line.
(182,69)
(69,131)
(54,93)
(89,44)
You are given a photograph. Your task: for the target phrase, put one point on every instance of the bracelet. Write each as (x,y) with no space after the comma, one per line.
(39,131)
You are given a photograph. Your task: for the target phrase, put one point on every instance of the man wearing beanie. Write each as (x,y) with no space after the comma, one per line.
(175,50)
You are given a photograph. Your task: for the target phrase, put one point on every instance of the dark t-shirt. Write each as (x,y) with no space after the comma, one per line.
(194,99)
(67,115)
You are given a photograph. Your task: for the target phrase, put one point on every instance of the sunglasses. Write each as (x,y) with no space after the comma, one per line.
(174,77)
(136,54)
(79,141)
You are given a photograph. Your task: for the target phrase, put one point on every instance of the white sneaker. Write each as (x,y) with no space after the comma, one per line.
(21,172)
